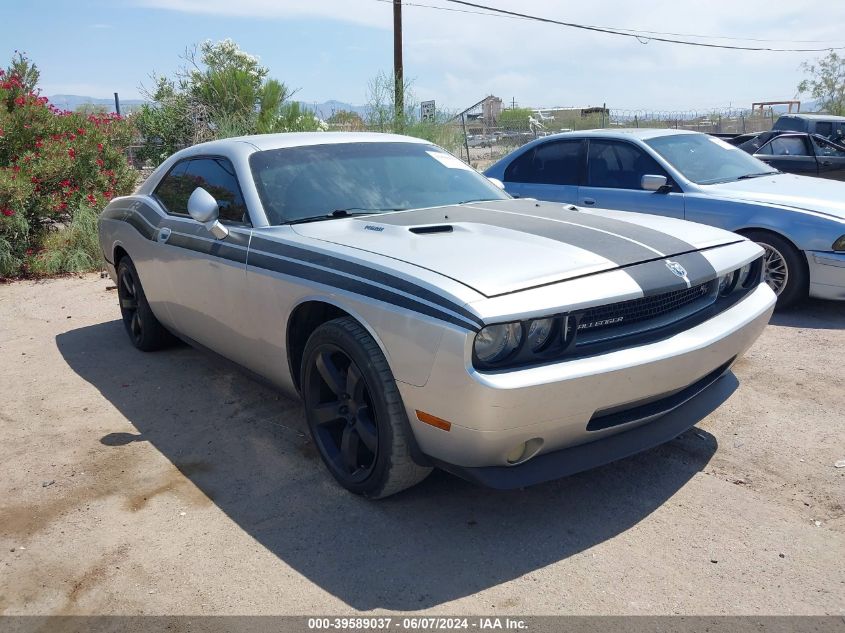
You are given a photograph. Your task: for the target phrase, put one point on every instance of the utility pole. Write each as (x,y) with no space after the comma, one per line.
(398,81)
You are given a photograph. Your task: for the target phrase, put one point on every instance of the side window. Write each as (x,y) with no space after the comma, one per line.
(825,128)
(521,168)
(789,146)
(553,163)
(217,176)
(175,189)
(823,148)
(618,165)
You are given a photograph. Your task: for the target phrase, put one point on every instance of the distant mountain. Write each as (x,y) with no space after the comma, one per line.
(72,102)
(327,108)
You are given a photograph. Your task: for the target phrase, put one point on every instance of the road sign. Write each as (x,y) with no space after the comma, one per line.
(427,111)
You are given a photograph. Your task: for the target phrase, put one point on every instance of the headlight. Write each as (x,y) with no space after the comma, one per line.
(496,342)
(727,283)
(539,333)
(744,274)
(839,245)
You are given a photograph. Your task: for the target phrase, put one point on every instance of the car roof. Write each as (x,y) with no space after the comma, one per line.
(814,117)
(641,133)
(262,142)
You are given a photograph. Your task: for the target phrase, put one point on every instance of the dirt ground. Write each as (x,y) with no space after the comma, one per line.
(169,483)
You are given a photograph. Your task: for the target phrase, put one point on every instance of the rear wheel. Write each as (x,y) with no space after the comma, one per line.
(784,267)
(355,413)
(142,326)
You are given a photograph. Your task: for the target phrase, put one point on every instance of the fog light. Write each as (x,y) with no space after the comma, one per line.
(521,453)
(516,453)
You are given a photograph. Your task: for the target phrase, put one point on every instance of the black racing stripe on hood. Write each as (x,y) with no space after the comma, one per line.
(655,277)
(613,246)
(664,242)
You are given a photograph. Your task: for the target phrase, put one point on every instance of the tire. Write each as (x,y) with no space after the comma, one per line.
(144,330)
(355,412)
(784,268)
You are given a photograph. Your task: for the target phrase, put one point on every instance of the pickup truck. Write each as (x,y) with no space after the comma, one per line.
(826,125)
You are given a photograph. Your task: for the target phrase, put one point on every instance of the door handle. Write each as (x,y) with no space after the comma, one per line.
(825,163)
(589,201)
(163,235)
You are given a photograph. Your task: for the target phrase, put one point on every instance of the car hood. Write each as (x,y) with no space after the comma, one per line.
(504,246)
(800,192)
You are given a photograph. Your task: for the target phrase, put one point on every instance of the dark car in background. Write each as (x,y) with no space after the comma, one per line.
(798,153)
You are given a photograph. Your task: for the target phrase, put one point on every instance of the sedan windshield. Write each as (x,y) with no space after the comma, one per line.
(337,180)
(706,160)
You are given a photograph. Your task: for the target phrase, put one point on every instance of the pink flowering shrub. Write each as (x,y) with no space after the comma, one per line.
(52,164)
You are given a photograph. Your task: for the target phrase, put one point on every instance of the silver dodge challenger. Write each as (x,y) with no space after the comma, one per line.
(426,318)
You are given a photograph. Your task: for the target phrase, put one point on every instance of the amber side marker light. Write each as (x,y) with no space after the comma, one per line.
(433,420)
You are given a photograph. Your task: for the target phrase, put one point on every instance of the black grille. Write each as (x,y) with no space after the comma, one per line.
(644,309)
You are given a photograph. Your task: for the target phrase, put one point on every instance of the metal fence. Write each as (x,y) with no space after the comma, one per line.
(487,137)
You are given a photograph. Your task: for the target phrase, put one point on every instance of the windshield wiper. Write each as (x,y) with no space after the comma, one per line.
(758,174)
(478,200)
(340,213)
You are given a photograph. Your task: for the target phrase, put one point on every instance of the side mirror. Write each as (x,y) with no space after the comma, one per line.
(498,183)
(654,183)
(203,208)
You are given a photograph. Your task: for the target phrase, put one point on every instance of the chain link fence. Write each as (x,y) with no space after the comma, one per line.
(490,131)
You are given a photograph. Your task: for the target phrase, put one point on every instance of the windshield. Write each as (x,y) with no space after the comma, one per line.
(318,181)
(706,160)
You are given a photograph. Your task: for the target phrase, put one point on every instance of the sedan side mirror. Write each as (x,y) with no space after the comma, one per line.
(652,182)
(203,208)
(497,182)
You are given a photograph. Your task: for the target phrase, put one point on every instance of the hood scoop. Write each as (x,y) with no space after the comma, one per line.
(427,230)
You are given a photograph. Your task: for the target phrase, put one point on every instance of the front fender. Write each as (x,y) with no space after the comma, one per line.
(807,230)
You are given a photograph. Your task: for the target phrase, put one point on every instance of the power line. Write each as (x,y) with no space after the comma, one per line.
(612,28)
(641,36)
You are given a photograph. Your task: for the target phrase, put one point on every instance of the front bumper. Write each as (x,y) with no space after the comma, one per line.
(569,461)
(827,274)
(491,414)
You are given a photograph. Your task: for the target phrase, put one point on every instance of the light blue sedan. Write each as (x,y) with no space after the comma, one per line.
(798,220)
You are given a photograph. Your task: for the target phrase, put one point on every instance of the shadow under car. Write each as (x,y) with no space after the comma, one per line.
(439,541)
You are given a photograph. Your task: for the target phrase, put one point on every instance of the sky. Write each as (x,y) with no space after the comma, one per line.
(330,49)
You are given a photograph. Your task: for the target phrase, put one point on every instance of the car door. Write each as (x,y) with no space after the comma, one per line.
(547,171)
(830,157)
(206,276)
(614,176)
(789,153)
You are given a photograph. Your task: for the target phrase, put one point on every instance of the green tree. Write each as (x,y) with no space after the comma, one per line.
(223,91)
(515,119)
(345,119)
(826,82)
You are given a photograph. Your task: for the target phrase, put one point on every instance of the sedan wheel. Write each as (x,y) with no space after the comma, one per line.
(775,270)
(355,413)
(784,267)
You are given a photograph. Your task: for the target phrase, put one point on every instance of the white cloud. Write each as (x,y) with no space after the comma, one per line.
(460,57)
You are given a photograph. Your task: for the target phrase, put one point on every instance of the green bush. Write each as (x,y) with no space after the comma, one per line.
(52,164)
(74,248)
